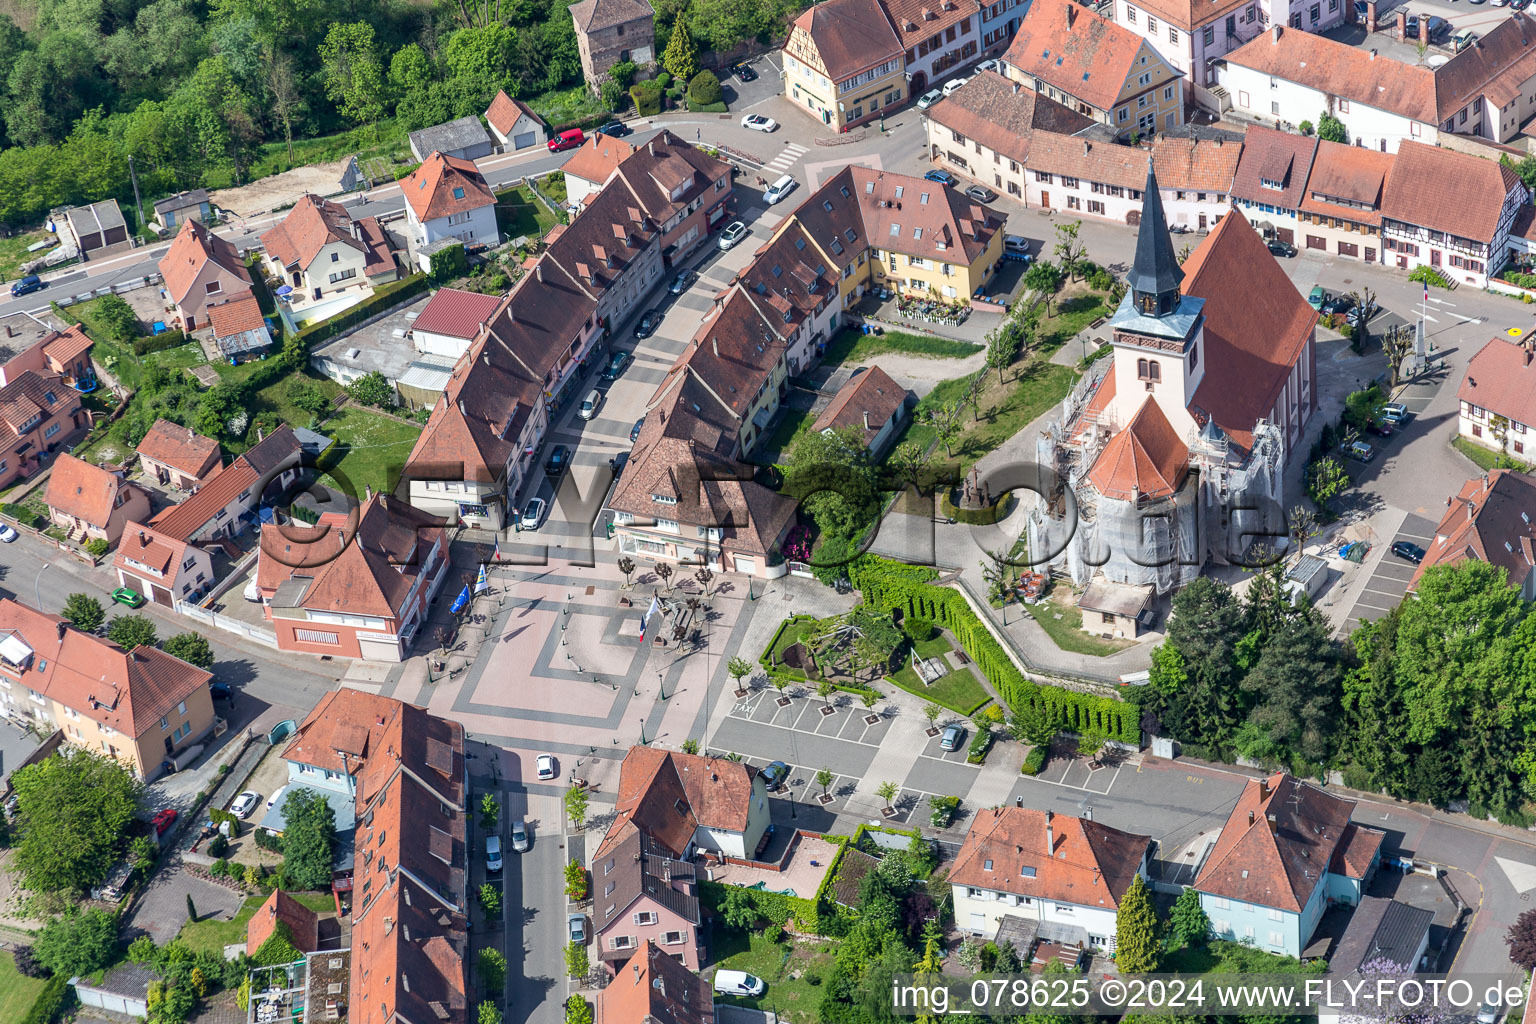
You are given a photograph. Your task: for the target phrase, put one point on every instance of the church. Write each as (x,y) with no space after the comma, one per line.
(1171,451)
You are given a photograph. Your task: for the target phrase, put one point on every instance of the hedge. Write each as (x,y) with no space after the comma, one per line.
(49,1001)
(774,906)
(382,298)
(145,344)
(1034,761)
(979,746)
(646,97)
(892,585)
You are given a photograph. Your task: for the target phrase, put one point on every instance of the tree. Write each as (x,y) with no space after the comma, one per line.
(191,909)
(738,667)
(664,573)
(1396,345)
(305,393)
(824,779)
(77,943)
(869,698)
(1031,726)
(130,631)
(1069,248)
(487,1013)
(627,567)
(578,1011)
(681,57)
(576,805)
(490,899)
(737,909)
(575,881)
(887,791)
(73,809)
(490,811)
(1136,930)
(946,420)
(1525,168)
(492,968)
(191,648)
(974,386)
(1004,343)
(1326,480)
(1302,524)
(1043,277)
(448,263)
(705,576)
(1306,128)
(353,71)
(824,690)
(690,746)
(833,479)
(932,711)
(84,612)
(703,90)
(1360,313)
(1331,129)
(576,962)
(907,462)
(1188,925)
(1521,938)
(309,835)
(372,388)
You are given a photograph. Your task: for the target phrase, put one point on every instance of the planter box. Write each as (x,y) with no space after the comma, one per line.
(825,798)
(783,702)
(871,719)
(827,709)
(933,730)
(888,812)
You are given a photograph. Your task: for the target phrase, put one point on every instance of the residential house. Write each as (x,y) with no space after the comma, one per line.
(1498,399)
(461,139)
(39,414)
(610,32)
(643,897)
(138,706)
(1287,851)
(1289,75)
(1340,211)
(1064,875)
(871,403)
(176,456)
(1196,175)
(1271,180)
(1466,238)
(239,330)
(613,249)
(163,568)
(451,320)
(1104,179)
(201,270)
(284,915)
(999,21)
(983,130)
(1490,521)
(447,201)
(65,353)
(1116,609)
(173,211)
(793,289)
(1069,54)
(1489,88)
(686,193)
(363,595)
(844,63)
(319,251)
(940,38)
(1193,34)
(226,502)
(1380,932)
(653,987)
(88,502)
(589,168)
(687,804)
(514,124)
(95,230)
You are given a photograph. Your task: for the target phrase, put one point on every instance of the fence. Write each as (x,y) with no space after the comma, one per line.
(147,281)
(265,637)
(64,546)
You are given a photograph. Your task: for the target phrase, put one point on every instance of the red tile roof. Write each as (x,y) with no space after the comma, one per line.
(1146,459)
(149,547)
(1003,115)
(1257,327)
(1195,165)
(456,313)
(302,923)
(597,158)
(653,988)
(867,402)
(1501,378)
(445,185)
(668,795)
(127,690)
(1347,172)
(1338,69)
(218,491)
(1497,66)
(1276,156)
(913,216)
(195,246)
(1490,520)
(918,20)
(310,226)
(1189,15)
(1049,857)
(1444,190)
(595,15)
(1086,56)
(850,36)
(87,492)
(1089,159)
(236,317)
(504,112)
(180,448)
(63,347)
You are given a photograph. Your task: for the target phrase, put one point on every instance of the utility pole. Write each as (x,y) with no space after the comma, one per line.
(137,202)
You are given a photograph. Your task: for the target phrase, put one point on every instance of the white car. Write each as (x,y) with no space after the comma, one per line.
(734,232)
(928,99)
(6,533)
(245,803)
(779,189)
(493,854)
(954,84)
(738,983)
(546,766)
(986,65)
(277,795)
(520,836)
(533,514)
(759,123)
(590,403)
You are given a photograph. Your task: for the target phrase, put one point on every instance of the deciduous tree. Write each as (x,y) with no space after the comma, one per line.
(309,836)
(73,810)
(191,648)
(130,631)
(84,612)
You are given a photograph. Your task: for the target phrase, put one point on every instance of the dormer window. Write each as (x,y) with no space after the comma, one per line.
(662,499)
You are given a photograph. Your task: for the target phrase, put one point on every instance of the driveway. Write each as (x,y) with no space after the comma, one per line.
(163,910)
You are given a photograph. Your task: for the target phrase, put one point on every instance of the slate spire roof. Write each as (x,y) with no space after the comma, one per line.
(1156,268)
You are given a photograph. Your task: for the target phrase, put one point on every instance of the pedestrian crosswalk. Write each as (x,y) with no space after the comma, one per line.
(785,160)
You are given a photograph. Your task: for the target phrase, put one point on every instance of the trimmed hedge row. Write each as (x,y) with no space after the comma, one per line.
(886,587)
(773,906)
(49,1001)
(1034,761)
(382,298)
(145,344)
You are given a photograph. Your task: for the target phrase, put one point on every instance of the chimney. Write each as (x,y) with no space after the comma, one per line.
(1527,351)
(1274,825)
(367,492)
(538,271)
(462,410)
(1264,789)
(714,343)
(1071,14)
(1274,32)
(1250,819)
(1402,26)
(1373,54)
(272,909)
(1370,16)
(1050,836)
(1085,147)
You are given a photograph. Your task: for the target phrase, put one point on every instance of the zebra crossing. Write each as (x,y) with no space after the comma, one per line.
(787,159)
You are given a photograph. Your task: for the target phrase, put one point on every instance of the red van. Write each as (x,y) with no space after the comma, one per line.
(567,140)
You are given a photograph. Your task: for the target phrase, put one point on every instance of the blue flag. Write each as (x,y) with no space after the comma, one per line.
(460,601)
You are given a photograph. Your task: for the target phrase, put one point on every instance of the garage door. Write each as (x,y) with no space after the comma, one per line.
(744,564)
(524,140)
(1286,235)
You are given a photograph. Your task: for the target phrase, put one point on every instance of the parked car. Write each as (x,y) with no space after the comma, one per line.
(1016,247)
(779,189)
(245,803)
(164,820)
(277,794)
(533,514)
(745,73)
(30,283)
(1381,428)
(1338,305)
(590,404)
(1280,248)
(928,99)
(634,432)
(1465,38)
(738,983)
(559,461)
(981,193)
(953,84)
(220,691)
(942,177)
(774,776)
(682,281)
(1409,550)
(493,854)
(616,364)
(759,123)
(1317,296)
(615,130)
(546,766)
(986,65)
(953,736)
(618,462)
(128,596)
(576,928)
(734,232)
(567,140)
(648,324)
(1358,450)
(520,840)
(6,533)
(1395,412)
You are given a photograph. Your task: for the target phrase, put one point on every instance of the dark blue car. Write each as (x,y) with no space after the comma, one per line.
(942,177)
(30,283)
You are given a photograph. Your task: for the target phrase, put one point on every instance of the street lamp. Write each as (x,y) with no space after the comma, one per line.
(643,741)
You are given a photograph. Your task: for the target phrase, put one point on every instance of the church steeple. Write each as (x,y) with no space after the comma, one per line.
(1155,275)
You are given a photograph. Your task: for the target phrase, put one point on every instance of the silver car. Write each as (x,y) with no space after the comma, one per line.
(734,232)
(590,403)
(520,840)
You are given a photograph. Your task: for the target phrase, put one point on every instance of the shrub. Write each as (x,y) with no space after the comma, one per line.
(704,89)
(158,342)
(192,648)
(1429,275)
(96,546)
(979,746)
(944,810)
(674,94)
(49,1002)
(919,629)
(663,80)
(218,846)
(492,968)
(646,97)
(1034,761)
(623,74)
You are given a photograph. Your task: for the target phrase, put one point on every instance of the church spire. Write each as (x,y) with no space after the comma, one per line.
(1155,276)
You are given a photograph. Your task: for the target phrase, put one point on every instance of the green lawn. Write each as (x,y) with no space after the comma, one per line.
(518,213)
(933,648)
(13,253)
(1486,460)
(790,636)
(213,935)
(794,423)
(374,447)
(1067,631)
(959,690)
(389,142)
(17,992)
(795,999)
(1005,410)
(1068,318)
(274,398)
(562,106)
(855,346)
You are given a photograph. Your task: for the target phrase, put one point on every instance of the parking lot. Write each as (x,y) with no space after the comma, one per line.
(1389,582)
